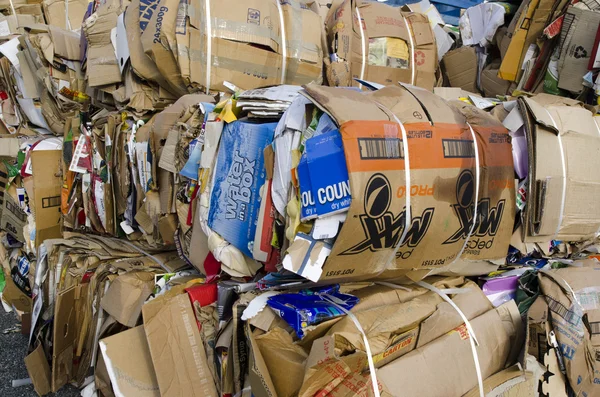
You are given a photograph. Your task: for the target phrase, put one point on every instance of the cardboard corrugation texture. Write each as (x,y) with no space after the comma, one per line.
(410,43)
(460,66)
(564,154)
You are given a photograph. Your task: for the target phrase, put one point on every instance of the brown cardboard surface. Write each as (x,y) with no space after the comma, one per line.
(258,375)
(571,295)
(245,49)
(38,370)
(66,43)
(445,367)
(55,12)
(577,47)
(461,68)
(490,83)
(511,382)
(549,122)
(411,34)
(126,295)
(284,361)
(127,358)
(64,336)
(141,63)
(47,186)
(177,350)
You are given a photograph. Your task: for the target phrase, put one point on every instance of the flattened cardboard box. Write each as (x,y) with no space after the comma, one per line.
(461,68)
(562,200)
(129,364)
(47,184)
(577,47)
(176,348)
(13,218)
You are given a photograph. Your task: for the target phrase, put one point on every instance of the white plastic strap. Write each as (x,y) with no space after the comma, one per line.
(332,299)
(283,41)
(12,7)
(407,210)
(473,339)
(67,22)
(564,175)
(477,177)
(413,67)
(363,45)
(209,43)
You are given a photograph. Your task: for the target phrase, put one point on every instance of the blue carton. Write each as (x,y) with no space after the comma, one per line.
(308,209)
(239,175)
(329,190)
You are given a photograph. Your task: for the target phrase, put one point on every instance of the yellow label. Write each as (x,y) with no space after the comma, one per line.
(396,48)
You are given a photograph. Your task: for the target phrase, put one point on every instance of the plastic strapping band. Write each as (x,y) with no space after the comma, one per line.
(564,173)
(67,22)
(477,177)
(332,299)
(363,45)
(407,210)
(412,51)
(283,41)
(12,6)
(472,339)
(209,44)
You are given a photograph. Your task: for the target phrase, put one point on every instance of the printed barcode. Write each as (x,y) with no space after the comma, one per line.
(458,148)
(16,211)
(48,202)
(595,328)
(380,148)
(592,4)
(566,314)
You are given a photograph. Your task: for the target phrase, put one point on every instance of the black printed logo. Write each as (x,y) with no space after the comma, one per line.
(488,218)
(381,227)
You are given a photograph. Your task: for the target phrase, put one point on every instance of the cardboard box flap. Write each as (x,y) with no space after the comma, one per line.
(380,20)
(421,30)
(543,113)
(259,377)
(341,104)
(66,43)
(436,107)
(177,350)
(402,103)
(126,295)
(47,184)
(39,370)
(129,364)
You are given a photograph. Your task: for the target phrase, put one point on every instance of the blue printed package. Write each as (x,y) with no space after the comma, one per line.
(330,184)
(308,209)
(311,306)
(239,175)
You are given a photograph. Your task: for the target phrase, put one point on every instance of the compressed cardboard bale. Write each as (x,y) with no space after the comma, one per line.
(389,46)
(445,367)
(246,48)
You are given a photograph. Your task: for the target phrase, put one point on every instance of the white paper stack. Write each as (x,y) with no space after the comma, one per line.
(268,102)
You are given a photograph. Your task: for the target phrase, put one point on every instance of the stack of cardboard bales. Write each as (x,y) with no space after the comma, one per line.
(180,217)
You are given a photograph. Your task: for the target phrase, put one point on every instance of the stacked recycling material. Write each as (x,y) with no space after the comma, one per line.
(187,210)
